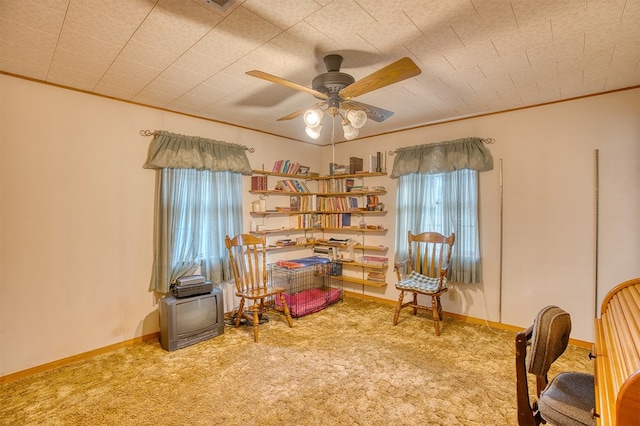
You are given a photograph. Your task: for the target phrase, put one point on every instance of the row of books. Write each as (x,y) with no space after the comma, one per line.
(329,186)
(291,185)
(337,204)
(312,220)
(289,167)
(302,203)
(259,183)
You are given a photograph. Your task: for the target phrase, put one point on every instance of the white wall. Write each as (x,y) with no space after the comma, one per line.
(76,212)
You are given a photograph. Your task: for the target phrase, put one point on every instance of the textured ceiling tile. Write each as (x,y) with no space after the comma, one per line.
(236,36)
(151,55)
(226,82)
(610,36)
(626,58)
(33,69)
(341,19)
(435,43)
(182,76)
(33,14)
(471,55)
(198,63)
(154,98)
(390,30)
(488,19)
(211,93)
(592,17)
(170,88)
(19,41)
(85,45)
(120,87)
(284,13)
(91,22)
(525,38)
(176,26)
(139,71)
(514,64)
(74,77)
(543,10)
(88,64)
(431,14)
(575,64)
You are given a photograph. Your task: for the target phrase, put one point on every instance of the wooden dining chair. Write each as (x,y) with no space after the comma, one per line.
(248,256)
(424,272)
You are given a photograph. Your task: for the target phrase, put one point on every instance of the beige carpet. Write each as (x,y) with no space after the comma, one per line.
(346,365)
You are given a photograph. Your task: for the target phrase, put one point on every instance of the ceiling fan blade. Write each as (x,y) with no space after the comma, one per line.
(300,112)
(374,113)
(272,78)
(399,70)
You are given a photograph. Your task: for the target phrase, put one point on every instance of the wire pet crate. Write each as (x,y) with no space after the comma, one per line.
(309,288)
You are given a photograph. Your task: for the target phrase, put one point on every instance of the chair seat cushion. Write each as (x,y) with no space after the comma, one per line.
(568,400)
(418,282)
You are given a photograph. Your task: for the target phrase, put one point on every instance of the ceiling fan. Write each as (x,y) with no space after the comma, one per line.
(337,90)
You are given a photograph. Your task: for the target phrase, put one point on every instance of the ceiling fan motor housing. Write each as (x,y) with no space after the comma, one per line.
(332,81)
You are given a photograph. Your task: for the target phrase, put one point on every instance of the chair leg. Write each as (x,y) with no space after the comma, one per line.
(434,311)
(287,313)
(256,321)
(415,303)
(439,308)
(396,314)
(239,313)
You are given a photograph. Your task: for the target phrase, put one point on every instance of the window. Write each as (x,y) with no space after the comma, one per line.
(442,202)
(197,208)
(198,201)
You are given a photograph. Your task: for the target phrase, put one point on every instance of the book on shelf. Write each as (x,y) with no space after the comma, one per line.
(348,184)
(289,167)
(259,183)
(291,185)
(377,276)
(355,165)
(294,203)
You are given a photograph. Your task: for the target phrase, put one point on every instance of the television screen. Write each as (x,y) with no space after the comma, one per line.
(195,314)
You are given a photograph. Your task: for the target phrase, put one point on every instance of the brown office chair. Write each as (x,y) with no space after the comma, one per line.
(570,397)
(248,256)
(424,272)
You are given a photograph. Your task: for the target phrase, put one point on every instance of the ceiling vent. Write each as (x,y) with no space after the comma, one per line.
(220,4)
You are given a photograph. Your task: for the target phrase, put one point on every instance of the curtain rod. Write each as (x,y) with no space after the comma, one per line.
(486,141)
(150,133)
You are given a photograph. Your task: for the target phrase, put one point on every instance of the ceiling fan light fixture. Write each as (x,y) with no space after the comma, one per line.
(313,117)
(350,132)
(357,118)
(313,132)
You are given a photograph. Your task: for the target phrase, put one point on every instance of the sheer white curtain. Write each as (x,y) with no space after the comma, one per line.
(444,203)
(438,191)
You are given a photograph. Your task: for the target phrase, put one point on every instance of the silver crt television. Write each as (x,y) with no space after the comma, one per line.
(189,320)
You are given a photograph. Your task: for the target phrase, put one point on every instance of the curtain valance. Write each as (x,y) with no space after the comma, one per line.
(465,153)
(174,151)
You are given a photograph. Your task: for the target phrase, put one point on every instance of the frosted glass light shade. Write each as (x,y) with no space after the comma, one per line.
(313,117)
(357,118)
(350,132)
(313,132)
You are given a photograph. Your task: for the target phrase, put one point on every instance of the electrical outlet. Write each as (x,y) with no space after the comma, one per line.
(452,294)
